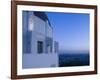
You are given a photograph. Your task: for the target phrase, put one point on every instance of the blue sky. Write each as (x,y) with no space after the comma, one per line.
(71,30)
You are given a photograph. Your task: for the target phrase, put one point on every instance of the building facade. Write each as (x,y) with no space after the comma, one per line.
(39,48)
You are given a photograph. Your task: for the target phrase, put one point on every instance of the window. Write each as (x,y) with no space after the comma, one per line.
(40,47)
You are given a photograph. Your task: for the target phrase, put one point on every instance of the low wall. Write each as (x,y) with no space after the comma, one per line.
(40,60)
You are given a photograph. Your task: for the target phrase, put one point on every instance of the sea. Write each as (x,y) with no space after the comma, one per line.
(74,59)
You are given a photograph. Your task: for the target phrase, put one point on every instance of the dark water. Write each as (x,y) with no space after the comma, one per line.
(73,59)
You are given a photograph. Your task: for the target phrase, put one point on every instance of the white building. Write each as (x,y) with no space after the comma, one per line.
(39,49)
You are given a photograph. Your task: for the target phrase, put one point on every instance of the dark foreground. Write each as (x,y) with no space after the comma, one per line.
(73,59)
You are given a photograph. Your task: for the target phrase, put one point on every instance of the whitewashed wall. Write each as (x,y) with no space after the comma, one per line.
(39,26)
(49,30)
(41,30)
(38,33)
(40,61)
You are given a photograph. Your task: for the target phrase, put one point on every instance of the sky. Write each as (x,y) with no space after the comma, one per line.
(71,30)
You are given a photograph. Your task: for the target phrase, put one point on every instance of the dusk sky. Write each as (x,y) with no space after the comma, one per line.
(71,30)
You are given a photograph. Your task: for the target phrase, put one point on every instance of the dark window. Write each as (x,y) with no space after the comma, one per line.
(40,47)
